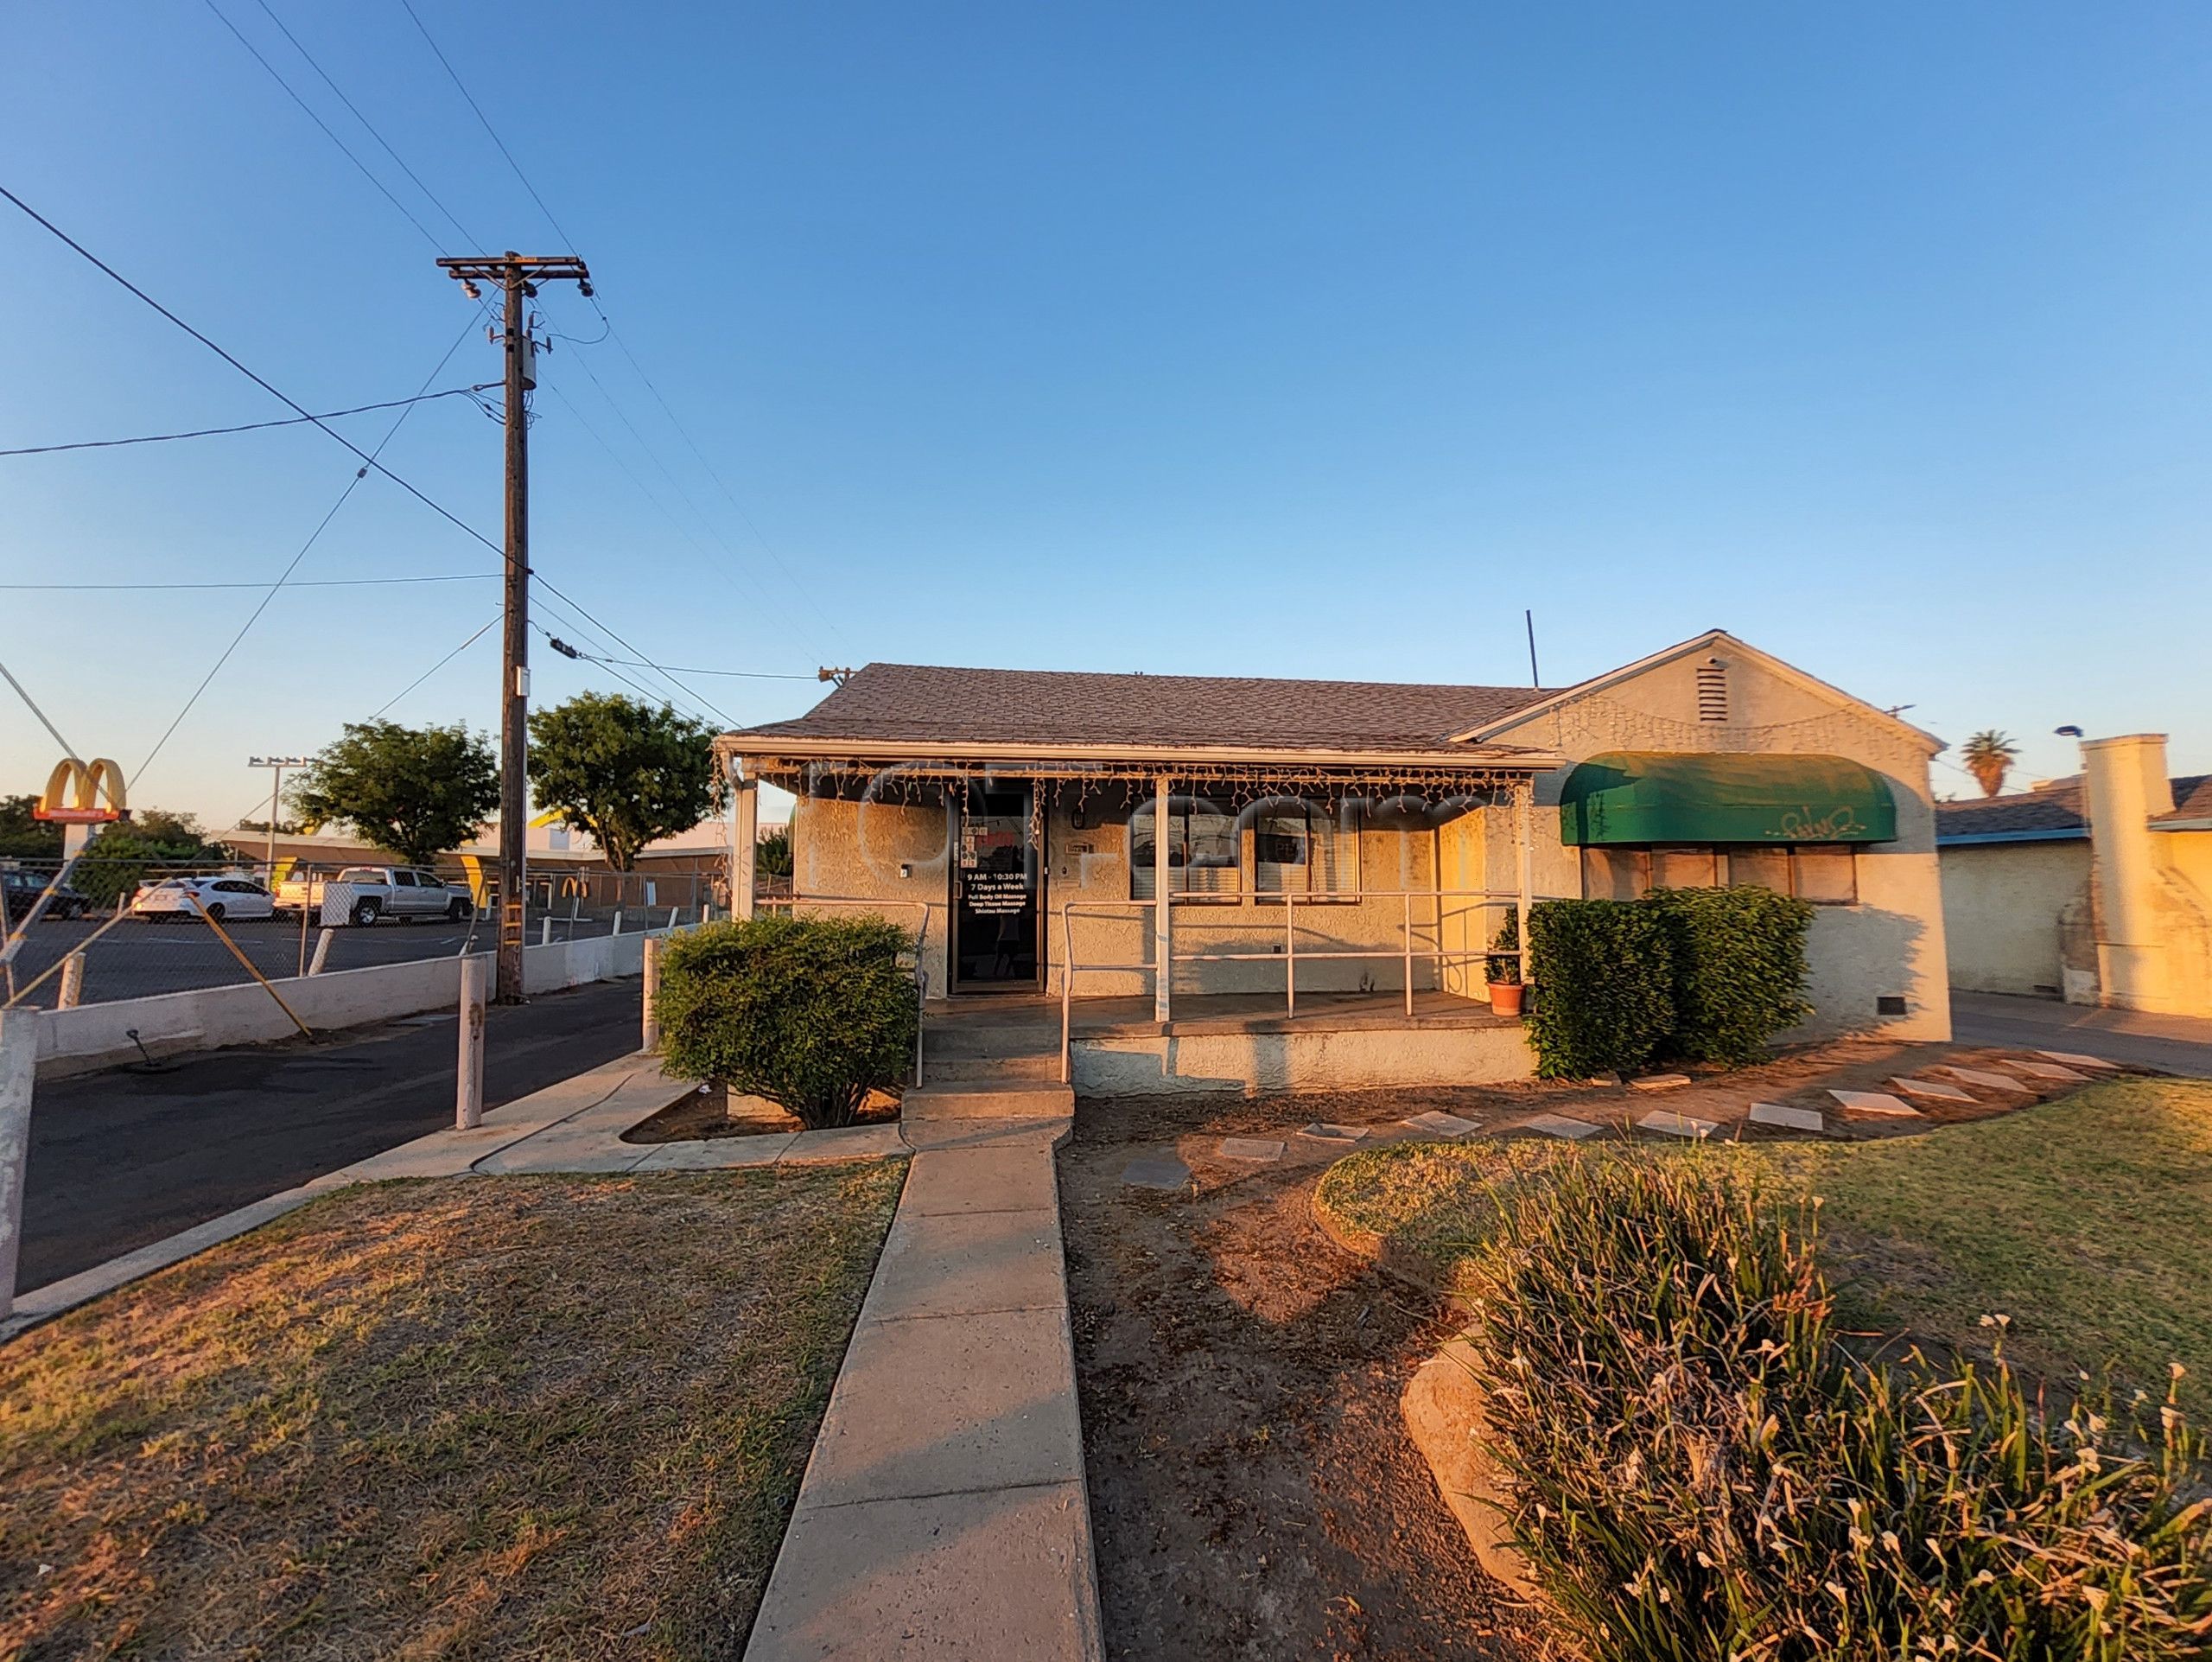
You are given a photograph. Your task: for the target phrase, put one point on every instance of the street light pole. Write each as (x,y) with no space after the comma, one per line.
(517,276)
(278,764)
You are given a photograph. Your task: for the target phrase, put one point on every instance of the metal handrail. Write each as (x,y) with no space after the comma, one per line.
(1405,952)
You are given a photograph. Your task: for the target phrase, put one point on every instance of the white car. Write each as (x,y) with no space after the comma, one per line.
(233,899)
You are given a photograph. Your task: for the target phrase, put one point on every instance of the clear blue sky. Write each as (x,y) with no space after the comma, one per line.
(1259,339)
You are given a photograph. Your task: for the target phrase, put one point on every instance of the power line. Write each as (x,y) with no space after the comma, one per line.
(461,86)
(560,230)
(324,125)
(304,583)
(750,675)
(414,178)
(254,617)
(490,623)
(297,408)
(67,748)
(245,427)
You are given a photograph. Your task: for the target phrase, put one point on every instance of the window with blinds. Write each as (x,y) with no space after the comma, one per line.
(1300,848)
(1204,852)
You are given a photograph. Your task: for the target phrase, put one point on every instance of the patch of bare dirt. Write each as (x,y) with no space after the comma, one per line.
(713,1111)
(1252,1487)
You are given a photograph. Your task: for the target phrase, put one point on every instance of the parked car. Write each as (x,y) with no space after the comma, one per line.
(368,893)
(236,899)
(22,889)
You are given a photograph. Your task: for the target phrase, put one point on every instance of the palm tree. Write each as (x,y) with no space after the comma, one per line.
(1988,756)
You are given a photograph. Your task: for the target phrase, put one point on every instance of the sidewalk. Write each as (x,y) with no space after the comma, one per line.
(2173,1044)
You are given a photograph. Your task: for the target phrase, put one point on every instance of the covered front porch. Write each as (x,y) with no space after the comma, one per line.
(1282,881)
(1242,1042)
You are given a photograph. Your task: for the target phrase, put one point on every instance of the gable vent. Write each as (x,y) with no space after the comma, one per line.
(1711,692)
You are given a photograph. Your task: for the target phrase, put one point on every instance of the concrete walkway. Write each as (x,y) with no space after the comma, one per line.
(2173,1044)
(943,1512)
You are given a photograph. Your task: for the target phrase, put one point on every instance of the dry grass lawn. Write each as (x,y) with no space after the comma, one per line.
(2082,1220)
(522,1418)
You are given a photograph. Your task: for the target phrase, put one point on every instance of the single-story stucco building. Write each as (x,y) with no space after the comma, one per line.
(1328,839)
(2096,888)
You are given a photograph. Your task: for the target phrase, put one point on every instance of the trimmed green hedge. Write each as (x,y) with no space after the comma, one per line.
(1740,969)
(1704,975)
(811,1013)
(1699,1468)
(1604,976)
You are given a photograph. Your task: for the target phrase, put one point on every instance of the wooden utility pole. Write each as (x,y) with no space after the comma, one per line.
(517,276)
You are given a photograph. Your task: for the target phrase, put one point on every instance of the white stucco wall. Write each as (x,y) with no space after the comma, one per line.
(2001,906)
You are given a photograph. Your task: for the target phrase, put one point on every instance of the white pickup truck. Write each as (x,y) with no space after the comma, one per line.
(367,895)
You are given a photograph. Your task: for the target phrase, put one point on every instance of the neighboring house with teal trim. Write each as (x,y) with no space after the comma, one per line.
(1362,838)
(2096,888)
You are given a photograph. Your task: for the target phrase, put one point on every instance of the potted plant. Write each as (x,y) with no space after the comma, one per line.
(1503,967)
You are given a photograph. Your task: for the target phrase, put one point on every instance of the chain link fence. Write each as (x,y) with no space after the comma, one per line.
(133,928)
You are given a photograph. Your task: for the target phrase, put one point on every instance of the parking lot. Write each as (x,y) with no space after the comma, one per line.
(139,957)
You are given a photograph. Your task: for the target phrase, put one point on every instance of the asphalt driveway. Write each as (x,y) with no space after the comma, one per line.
(121,1158)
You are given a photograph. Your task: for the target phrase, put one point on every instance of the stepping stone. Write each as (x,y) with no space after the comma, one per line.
(1876,1102)
(1934,1089)
(2050,1071)
(1162,1171)
(1660,1082)
(1794,1119)
(1560,1125)
(2076,1059)
(1251,1148)
(1443,1124)
(1988,1080)
(1328,1132)
(1673,1125)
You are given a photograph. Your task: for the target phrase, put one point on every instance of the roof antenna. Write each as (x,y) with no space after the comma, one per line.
(1534,679)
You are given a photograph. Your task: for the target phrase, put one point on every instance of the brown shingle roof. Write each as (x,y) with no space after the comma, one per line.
(2055,809)
(2192,799)
(894,703)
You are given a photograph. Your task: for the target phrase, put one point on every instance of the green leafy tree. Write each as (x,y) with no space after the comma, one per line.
(152,842)
(22,837)
(416,792)
(624,771)
(1988,756)
(773,856)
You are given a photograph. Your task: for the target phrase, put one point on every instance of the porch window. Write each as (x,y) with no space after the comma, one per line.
(1824,874)
(1300,848)
(1204,852)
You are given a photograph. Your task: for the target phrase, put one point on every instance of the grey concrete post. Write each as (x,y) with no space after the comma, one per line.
(73,982)
(545,930)
(617,929)
(468,1084)
(650,1034)
(321,952)
(18,1063)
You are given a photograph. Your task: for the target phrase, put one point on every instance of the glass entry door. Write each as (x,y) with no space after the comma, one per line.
(997,876)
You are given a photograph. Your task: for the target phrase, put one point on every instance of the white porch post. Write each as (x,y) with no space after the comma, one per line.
(744,847)
(1524,797)
(1163,927)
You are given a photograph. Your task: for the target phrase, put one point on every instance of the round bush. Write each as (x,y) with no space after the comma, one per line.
(813,1013)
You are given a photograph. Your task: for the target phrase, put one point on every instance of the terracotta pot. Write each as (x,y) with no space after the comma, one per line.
(1505,997)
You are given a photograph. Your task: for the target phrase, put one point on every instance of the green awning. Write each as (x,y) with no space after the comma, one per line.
(1653,796)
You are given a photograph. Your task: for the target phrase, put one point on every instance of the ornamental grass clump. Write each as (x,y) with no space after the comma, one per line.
(813,1013)
(1699,1469)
